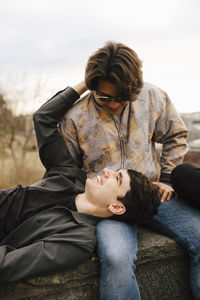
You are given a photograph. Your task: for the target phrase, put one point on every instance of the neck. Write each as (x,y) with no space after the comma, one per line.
(83,205)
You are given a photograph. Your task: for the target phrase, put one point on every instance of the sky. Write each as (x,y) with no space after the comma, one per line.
(45,45)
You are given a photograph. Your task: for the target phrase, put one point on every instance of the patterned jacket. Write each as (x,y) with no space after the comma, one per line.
(97,139)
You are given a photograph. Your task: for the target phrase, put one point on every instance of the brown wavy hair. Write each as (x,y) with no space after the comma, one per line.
(117,64)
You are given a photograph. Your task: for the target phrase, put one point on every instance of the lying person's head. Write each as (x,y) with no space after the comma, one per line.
(126,195)
(141,201)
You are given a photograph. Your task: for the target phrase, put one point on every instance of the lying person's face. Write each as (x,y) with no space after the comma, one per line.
(108,186)
(107,96)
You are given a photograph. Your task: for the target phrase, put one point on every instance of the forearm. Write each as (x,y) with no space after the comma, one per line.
(68,129)
(48,115)
(173,152)
(171,132)
(39,258)
(52,149)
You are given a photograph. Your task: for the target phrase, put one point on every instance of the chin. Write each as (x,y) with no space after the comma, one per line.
(114,112)
(91,182)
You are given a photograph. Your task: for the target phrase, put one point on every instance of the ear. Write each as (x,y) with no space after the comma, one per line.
(117,208)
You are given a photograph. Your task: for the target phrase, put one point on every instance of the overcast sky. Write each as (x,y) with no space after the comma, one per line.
(50,41)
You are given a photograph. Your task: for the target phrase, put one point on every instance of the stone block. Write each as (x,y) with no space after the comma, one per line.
(162,272)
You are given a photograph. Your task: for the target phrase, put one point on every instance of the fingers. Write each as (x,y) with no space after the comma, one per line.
(165,191)
(166,195)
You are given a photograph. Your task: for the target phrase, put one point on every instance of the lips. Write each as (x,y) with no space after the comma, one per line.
(116,110)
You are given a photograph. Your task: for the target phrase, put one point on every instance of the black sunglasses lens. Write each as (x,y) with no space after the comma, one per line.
(108,99)
(104,98)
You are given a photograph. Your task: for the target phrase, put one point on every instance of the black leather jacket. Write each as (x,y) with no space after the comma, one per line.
(57,238)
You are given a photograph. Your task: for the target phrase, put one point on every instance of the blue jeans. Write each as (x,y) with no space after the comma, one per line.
(117,248)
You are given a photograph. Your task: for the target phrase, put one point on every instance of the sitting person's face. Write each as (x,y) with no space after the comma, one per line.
(105,96)
(109,185)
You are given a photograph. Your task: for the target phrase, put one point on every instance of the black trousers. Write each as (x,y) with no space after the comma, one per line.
(185,180)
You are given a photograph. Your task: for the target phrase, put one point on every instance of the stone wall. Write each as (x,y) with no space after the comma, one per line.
(192,158)
(162,274)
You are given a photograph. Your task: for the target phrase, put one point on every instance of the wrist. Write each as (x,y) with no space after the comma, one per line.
(80,87)
(165,178)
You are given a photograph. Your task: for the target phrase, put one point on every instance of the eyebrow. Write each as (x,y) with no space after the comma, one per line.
(120,178)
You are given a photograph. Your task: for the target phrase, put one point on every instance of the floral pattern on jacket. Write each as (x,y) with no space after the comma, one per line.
(93,138)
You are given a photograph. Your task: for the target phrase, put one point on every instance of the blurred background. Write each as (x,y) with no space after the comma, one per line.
(45,46)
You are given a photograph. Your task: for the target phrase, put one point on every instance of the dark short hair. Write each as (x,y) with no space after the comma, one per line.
(117,64)
(141,201)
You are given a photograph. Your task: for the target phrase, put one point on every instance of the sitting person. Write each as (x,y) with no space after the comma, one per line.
(50,225)
(185,180)
(124,118)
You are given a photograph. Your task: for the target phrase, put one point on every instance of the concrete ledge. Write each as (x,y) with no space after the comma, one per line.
(162,273)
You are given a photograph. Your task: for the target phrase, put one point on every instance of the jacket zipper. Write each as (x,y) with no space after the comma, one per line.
(120,136)
(122,148)
(121,142)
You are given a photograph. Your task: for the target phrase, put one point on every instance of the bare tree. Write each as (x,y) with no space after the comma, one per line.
(15,135)
(19,97)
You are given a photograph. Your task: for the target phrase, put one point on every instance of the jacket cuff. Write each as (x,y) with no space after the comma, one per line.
(165,178)
(71,93)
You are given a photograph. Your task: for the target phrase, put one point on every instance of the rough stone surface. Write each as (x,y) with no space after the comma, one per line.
(162,272)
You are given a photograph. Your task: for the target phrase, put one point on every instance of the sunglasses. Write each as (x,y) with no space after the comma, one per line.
(109,99)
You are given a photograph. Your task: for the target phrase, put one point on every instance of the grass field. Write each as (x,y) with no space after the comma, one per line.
(31,171)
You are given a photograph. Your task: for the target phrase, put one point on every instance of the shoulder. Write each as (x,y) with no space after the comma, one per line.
(154,97)
(154,101)
(149,90)
(80,108)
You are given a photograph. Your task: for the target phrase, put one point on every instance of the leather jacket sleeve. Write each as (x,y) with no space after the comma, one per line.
(43,257)
(65,241)
(52,149)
